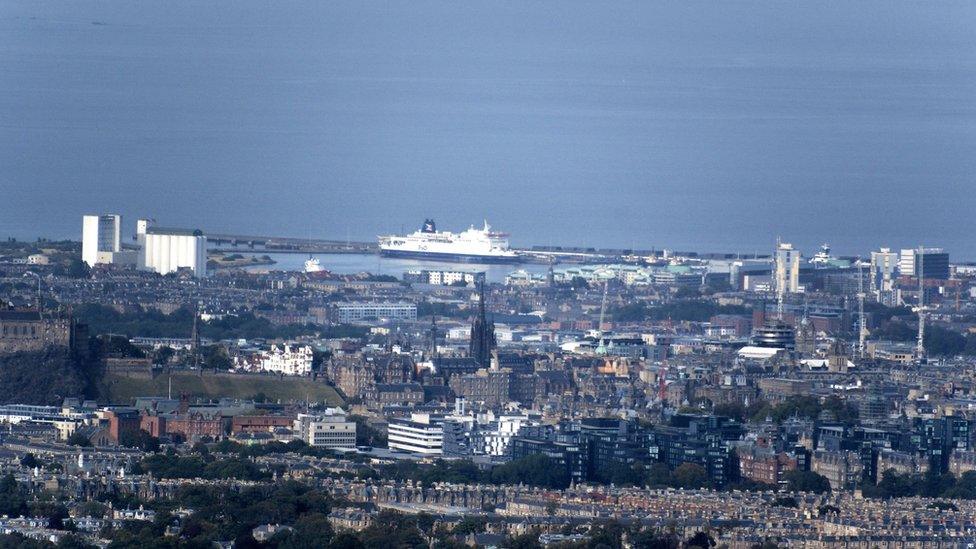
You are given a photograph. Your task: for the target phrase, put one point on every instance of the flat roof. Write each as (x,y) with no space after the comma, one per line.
(174,231)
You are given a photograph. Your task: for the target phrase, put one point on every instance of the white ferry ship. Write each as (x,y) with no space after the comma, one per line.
(312,265)
(823,257)
(470,246)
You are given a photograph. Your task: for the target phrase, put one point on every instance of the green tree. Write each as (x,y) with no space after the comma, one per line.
(970,347)
(534,470)
(943,342)
(607,534)
(73,541)
(470,525)
(76,268)
(215,358)
(29,461)
(139,439)
(785,501)
(312,530)
(346,540)
(806,481)
(529,540)
(700,539)
(690,476)
(163,355)
(12,502)
(579,283)
(658,476)
(78,439)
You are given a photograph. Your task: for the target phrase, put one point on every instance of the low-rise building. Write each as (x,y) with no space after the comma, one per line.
(420,434)
(331,429)
(286,360)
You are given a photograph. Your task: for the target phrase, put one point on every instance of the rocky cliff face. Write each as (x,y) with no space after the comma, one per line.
(45,376)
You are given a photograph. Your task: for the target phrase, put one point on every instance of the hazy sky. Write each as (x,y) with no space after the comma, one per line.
(715,126)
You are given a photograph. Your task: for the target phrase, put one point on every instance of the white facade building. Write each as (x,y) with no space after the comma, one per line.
(347,312)
(101,240)
(168,250)
(142,225)
(787,269)
(331,430)
(442,278)
(884,270)
(906,262)
(498,439)
(287,360)
(421,434)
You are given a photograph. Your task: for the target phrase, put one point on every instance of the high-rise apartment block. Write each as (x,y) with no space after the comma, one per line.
(787,269)
(884,270)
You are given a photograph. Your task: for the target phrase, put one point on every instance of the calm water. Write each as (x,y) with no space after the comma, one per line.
(692,125)
(373,263)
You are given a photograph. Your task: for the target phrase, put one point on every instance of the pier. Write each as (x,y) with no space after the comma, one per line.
(277,244)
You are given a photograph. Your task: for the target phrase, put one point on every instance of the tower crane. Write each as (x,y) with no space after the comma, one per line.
(602,347)
(862,331)
(920,345)
(662,387)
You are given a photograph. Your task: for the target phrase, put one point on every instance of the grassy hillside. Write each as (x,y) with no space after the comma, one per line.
(123,389)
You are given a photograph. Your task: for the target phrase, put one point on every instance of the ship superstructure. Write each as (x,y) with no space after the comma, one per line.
(312,265)
(471,246)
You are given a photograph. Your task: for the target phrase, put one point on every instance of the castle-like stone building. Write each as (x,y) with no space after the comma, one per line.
(33,330)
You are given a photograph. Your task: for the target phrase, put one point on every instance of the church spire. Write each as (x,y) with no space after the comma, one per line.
(482,332)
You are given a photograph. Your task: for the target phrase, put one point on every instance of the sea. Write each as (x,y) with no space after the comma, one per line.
(713,126)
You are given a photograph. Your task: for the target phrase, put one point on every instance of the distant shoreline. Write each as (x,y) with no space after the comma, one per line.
(219,261)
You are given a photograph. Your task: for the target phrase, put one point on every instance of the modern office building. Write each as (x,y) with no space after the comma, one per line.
(101,241)
(166,250)
(743,269)
(349,311)
(421,434)
(331,429)
(934,263)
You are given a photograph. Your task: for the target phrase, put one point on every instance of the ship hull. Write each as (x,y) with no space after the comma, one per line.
(449,257)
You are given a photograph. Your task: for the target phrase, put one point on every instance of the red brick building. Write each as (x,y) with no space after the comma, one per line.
(257,424)
(760,464)
(122,422)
